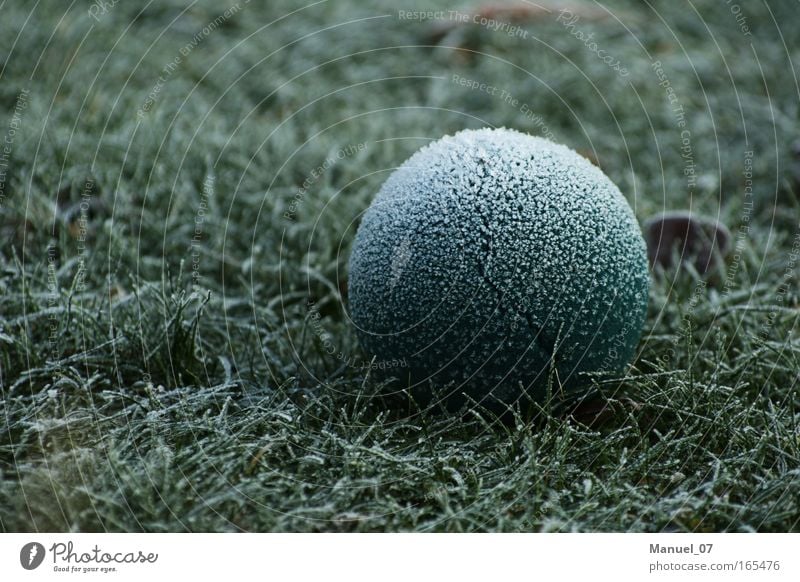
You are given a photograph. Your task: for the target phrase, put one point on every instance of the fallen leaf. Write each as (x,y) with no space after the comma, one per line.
(701,241)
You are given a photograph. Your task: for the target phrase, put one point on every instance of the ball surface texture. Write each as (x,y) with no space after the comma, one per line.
(493,264)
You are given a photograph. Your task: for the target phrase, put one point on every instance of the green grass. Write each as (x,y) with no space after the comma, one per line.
(160,367)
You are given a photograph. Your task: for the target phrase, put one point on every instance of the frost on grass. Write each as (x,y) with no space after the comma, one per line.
(517,252)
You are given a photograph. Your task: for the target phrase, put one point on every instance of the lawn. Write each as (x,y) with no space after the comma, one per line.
(180,186)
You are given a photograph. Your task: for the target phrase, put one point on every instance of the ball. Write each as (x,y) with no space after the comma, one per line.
(496,265)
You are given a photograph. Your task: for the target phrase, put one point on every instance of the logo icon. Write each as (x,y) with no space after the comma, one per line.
(31,555)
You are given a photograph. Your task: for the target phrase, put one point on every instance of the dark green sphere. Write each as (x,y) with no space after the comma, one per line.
(491,261)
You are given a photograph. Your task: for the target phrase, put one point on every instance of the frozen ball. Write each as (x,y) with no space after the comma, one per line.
(494,264)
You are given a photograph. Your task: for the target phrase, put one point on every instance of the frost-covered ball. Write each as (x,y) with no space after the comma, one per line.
(492,263)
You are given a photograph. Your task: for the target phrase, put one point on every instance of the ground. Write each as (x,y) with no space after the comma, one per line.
(179,190)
